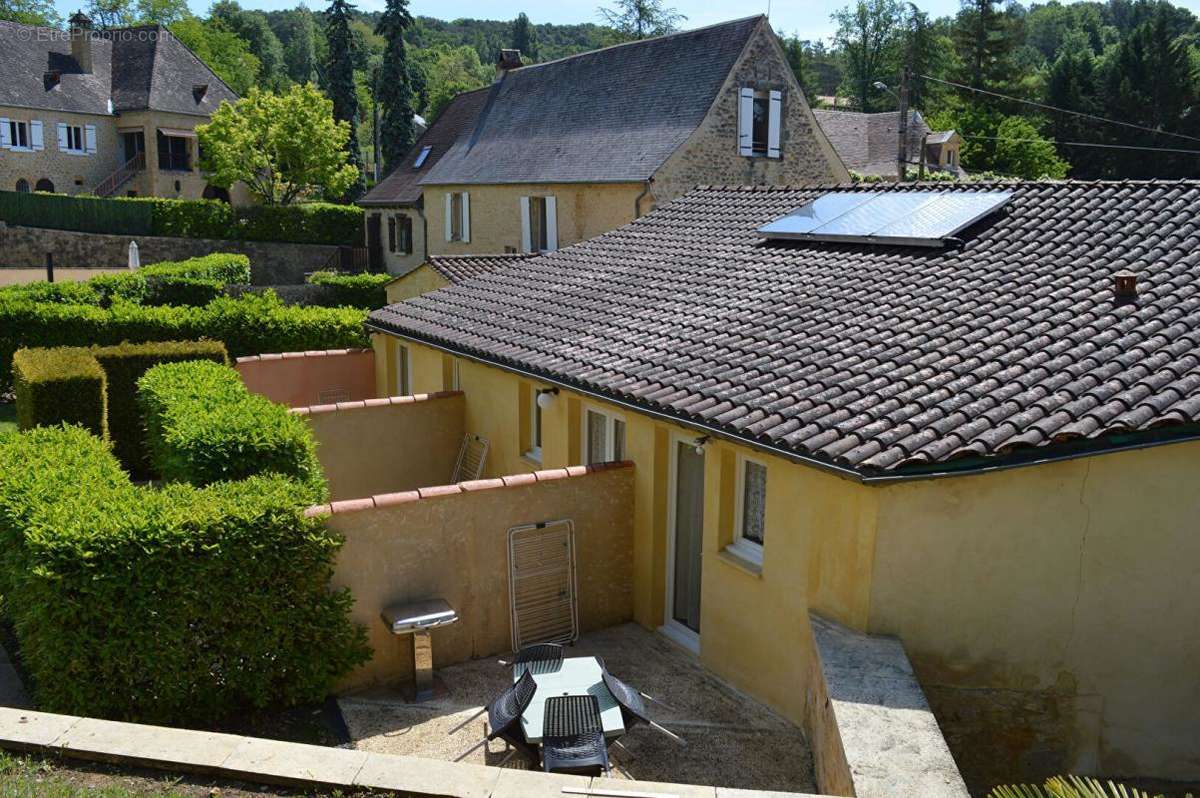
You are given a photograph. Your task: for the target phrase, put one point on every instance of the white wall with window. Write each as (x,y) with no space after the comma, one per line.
(603,436)
(539,224)
(760,122)
(22,135)
(750,510)
(458,216)
(77,139)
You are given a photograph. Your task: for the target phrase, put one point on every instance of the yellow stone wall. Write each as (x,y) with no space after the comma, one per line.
(419,281)
(585,210)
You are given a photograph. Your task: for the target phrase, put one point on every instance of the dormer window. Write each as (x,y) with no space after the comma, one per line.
(760,122)
(199,91)
(422,155)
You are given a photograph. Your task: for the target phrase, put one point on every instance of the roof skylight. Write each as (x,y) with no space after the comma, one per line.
(422,155)
(905,218)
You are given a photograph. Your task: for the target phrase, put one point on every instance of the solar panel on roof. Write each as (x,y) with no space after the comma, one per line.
(909,218)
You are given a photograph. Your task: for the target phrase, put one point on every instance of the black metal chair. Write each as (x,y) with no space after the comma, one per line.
(540,657)
(633,708)
(504,716)
(573,736)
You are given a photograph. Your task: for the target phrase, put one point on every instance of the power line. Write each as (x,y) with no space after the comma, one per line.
(1081,144)
(1045,107)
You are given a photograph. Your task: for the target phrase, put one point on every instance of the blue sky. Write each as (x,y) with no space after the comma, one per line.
(809,18)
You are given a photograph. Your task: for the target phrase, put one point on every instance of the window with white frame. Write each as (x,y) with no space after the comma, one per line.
(760,122)
(458,216)
(76,139)
(19,134)
(603,436)
(534,452)
(539,224)
(750,516)
(455,376)
(403,371)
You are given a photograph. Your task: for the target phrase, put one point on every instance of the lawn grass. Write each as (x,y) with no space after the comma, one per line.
(24,776)
(8,417)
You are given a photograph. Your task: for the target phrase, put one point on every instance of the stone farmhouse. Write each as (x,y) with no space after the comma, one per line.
(869,143)
(555,153)
(980,441)
(109,113)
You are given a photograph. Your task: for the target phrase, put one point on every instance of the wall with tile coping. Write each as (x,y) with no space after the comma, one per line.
(451,542)
(320,377)
(376,446)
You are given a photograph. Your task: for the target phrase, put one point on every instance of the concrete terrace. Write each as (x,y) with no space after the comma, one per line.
(732,741)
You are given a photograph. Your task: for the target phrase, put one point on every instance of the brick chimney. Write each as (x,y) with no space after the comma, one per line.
(81,41)
(508,61)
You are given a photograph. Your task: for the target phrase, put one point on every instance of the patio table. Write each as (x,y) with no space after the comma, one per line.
(579,676)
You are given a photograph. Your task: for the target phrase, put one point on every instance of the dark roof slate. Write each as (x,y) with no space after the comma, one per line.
(138,68)
(610,115)
(457,268)
(403,185)
(861,357)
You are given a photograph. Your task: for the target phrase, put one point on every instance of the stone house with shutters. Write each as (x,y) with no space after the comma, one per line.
(110,113)
(555,153)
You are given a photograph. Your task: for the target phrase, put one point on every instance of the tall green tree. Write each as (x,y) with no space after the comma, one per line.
(226,53)
(870,35)
(285,147)
(394,96)
(985,36)
(340,83)
(300,51)
(253,28)
(797,53)
(29,12)
(1071,84)
(640,19)
(107,14)
(160,12)
(524,37)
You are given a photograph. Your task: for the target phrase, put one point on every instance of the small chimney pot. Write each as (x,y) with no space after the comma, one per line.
(508,61)
(81,41)
(1125,285)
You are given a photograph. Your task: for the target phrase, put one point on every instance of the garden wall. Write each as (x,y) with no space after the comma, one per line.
(270,262)
(387,445)
(451,542)
(301,379)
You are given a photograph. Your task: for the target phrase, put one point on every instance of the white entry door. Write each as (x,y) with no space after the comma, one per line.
(685,542)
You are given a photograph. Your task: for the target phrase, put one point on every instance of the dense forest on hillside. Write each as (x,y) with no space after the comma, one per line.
(995,72)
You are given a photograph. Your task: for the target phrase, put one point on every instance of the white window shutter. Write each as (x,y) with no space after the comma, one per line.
(449,215)
(466,220)
(35,134)
(62,137)
(89,138)
(5,141)
(526,233)
(746,122)
(551,224)
(774,124)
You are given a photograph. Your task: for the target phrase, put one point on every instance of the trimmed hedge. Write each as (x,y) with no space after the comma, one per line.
(306,223)
(50,389)
(362,290)
(171,605)
(54,386)
(249,325)
(204,426)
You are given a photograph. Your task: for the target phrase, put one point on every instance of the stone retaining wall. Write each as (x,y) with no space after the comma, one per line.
(270,262)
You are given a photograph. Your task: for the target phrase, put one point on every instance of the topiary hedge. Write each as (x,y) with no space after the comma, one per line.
(249,325)
(54,386)
(204,426)
(362,290)
(172,605)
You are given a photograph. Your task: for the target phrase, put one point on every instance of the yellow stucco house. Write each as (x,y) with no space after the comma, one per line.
(108,113)
(555,153)
(965,416)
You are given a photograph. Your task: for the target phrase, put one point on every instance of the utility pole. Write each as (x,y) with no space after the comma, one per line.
(902,143)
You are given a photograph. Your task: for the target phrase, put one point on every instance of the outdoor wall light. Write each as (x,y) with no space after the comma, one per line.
(545,397)
(700,443)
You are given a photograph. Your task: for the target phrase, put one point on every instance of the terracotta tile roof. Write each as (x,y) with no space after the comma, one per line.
(614,114)
(402,186)
(457,268)
(871,359)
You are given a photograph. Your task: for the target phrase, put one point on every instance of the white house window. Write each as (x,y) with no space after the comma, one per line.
(403,371)
(603,437)
(760,122)
(539,224)
(458,216)
(751,511)
(535,428)
(76,139)
(422,155)
(17,134)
